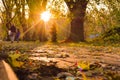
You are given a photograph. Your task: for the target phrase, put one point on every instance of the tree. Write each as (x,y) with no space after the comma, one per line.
(96,19)
(36,7)
(77,9)
(78,12)
(53,33)
(20,14)
(8,8)
(7,17)
(14,10)
(101,16)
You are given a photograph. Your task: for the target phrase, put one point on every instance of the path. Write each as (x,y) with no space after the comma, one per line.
(107,58)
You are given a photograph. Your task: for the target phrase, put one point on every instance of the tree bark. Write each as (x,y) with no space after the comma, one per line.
(77,30)
(77,23)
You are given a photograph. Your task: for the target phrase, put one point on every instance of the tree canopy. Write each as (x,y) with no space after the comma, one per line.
(86,16)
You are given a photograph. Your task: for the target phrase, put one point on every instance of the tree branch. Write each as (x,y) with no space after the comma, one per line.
(4,3)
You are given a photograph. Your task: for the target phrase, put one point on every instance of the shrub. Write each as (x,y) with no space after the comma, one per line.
(112,35)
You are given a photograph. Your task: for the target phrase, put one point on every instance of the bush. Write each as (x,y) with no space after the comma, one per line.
(112,35)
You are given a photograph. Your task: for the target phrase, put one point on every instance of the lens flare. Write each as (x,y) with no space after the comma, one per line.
(46,16)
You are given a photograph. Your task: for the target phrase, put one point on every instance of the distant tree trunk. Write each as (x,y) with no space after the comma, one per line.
(8,8)
(23,20)
(78,10)
(20,11)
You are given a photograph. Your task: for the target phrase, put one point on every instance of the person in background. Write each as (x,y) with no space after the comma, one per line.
(17,35)
(13,33)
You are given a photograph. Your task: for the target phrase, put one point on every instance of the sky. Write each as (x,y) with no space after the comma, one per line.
(0,2)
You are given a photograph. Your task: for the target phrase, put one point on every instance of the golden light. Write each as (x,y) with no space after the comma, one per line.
(46,16)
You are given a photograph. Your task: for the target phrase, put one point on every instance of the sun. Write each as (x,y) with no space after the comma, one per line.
(46,16)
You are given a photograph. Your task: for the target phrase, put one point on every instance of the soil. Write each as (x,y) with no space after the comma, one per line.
(67,62)
(95,62)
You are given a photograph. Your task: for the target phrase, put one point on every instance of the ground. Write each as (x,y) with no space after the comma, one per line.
(81,61)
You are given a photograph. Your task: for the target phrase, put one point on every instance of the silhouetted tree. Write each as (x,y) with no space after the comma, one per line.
(53,33)
(77,9)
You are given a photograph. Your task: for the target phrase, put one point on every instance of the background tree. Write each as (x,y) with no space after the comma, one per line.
(7,15)
(78,10)
(101,17)
(35,9)
(20,11)
(53,33)
(14,12)
(81,15)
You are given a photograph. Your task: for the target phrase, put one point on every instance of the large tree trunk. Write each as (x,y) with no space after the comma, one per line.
(77,30)
(77,23)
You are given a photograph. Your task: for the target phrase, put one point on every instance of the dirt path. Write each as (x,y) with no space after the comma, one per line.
(48,61)
(92,57)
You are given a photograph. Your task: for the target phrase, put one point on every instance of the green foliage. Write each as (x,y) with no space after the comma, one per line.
(57,9)
(112,35)
(16,59)
(12,59)
(109,38)
(101,15)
